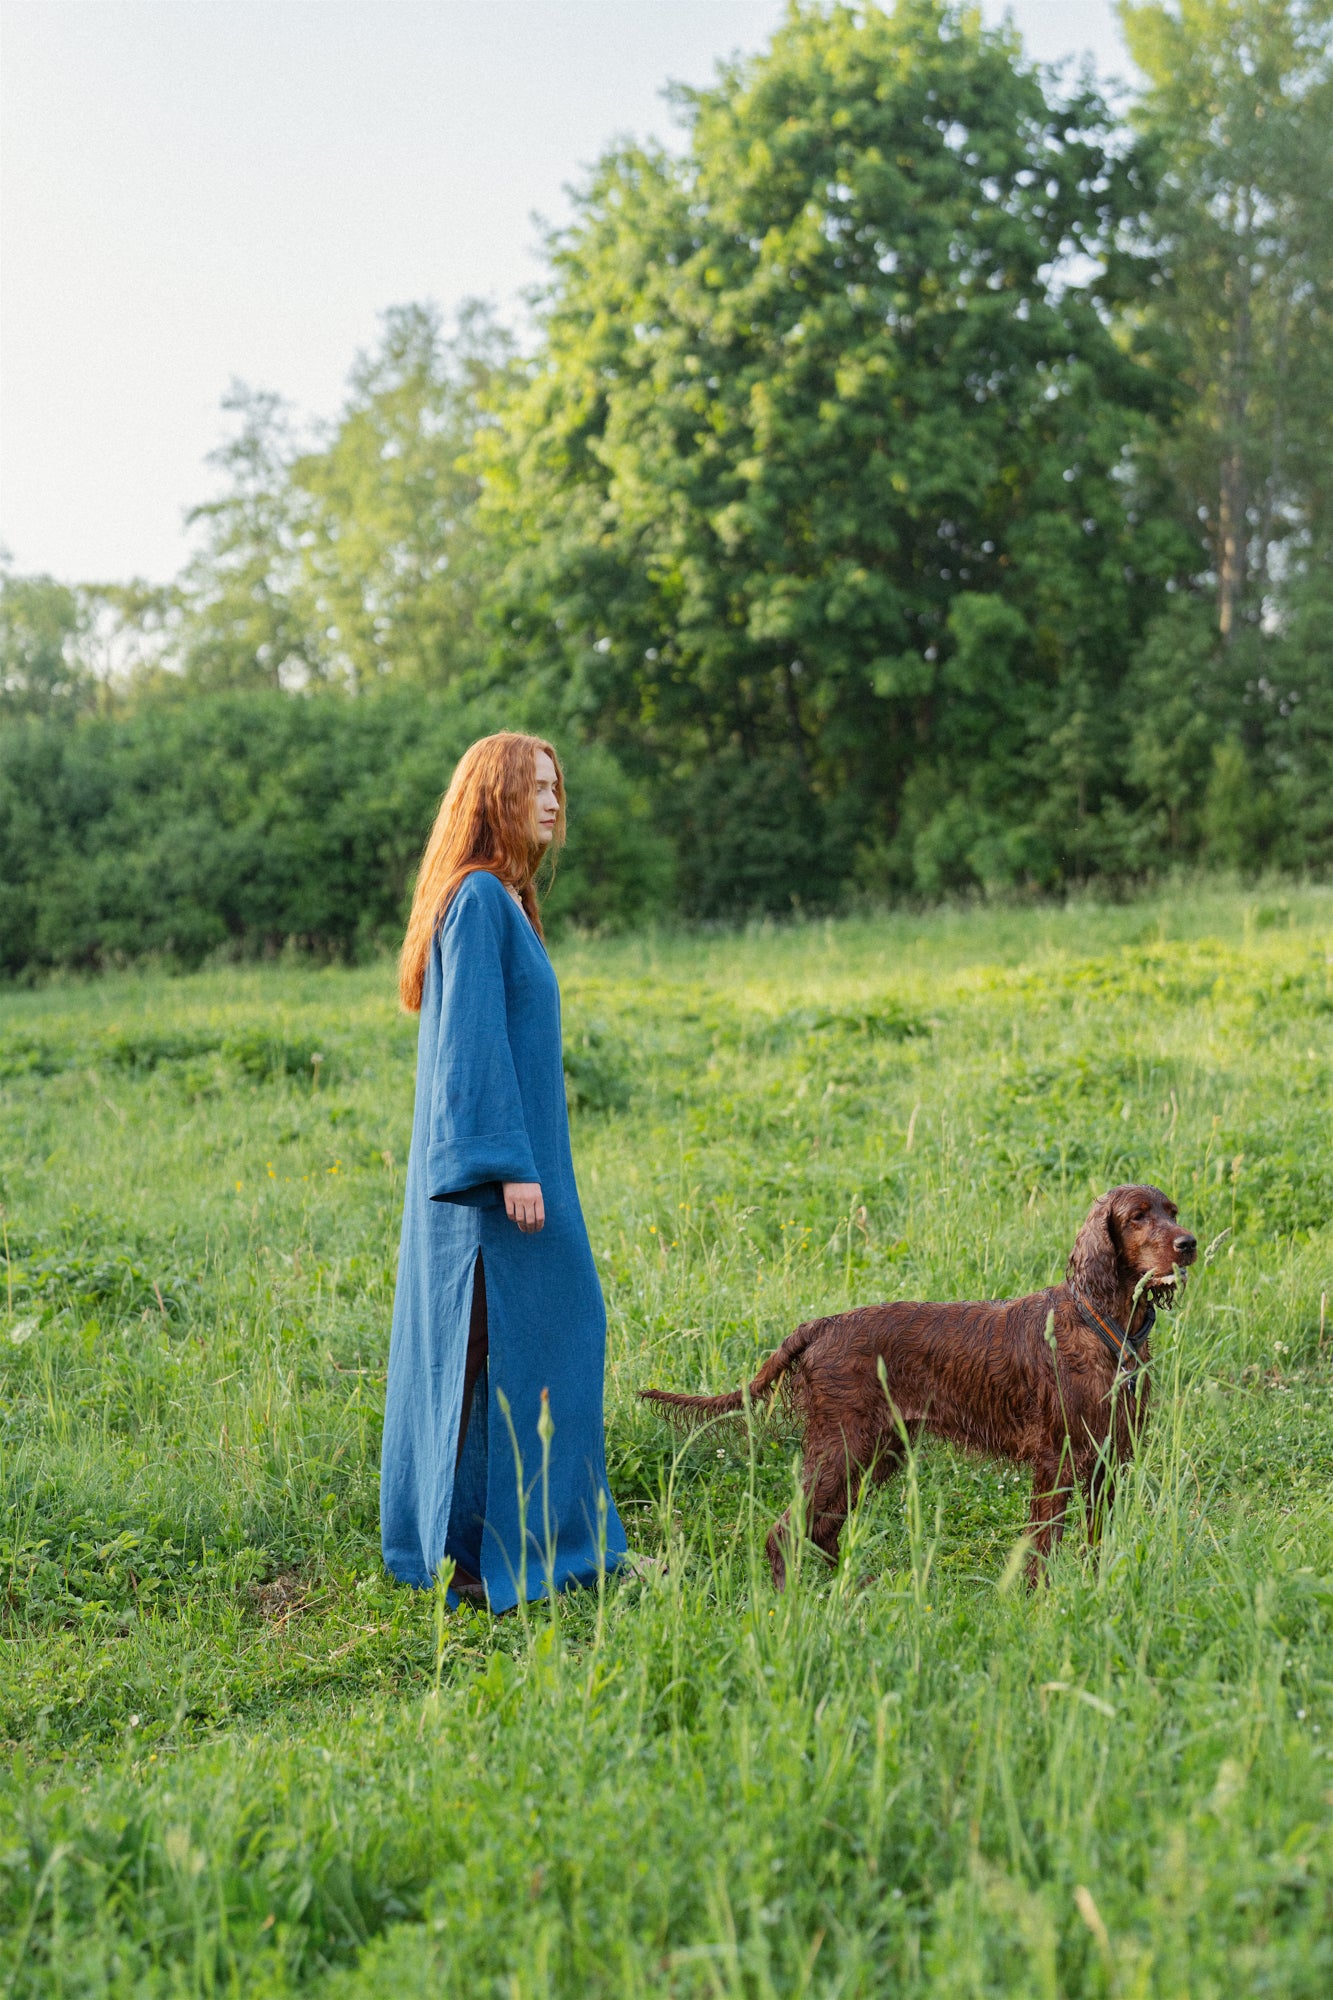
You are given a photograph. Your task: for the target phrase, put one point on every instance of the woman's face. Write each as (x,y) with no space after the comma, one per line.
(548,798)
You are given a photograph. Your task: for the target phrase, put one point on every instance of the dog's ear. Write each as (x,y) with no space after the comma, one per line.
(1094,1261)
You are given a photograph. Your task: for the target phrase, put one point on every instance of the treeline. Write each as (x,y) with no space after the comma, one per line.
(921,481)
(247,820)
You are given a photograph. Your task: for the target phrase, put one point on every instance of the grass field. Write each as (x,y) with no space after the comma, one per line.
(240,1762)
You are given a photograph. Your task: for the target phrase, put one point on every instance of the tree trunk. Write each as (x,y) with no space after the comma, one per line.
(1231,544)
(1233,496)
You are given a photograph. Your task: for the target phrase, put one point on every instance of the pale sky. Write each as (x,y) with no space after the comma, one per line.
(193,191)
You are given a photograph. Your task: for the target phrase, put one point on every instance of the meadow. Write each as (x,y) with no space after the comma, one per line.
(239,1761)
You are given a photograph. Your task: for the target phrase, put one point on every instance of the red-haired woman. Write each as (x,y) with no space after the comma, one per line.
(498,1301)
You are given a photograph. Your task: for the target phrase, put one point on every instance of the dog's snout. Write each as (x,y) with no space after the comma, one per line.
(1184,1246)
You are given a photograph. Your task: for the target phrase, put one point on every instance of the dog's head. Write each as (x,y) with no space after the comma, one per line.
(1131,1233)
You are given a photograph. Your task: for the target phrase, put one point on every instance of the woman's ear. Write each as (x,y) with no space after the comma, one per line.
(1094,1261)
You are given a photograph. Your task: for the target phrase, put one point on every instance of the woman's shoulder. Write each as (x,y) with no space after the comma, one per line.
(479,897)
(480,885)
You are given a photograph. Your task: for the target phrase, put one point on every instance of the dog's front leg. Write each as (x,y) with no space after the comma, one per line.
(1046,1518)
(1099,1488)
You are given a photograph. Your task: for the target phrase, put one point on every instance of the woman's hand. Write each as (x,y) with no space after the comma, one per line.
(524,1205)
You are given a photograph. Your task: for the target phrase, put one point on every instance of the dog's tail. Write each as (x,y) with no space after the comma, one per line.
(698,1409)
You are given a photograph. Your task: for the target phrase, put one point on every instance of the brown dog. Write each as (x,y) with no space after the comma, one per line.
(985,1376)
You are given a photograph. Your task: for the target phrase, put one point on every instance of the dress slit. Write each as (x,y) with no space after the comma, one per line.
(478,1351)
(467,1514)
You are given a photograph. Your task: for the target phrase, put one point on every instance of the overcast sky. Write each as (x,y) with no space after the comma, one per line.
(197,190)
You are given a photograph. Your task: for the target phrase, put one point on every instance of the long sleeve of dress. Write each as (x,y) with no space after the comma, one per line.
(478,1136)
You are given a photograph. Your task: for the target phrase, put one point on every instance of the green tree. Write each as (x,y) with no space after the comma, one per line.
(390,557)
(1289,711)
(1176,712)
(355,553)
(1239,112)
(826,462)
(41,669)
(242,623)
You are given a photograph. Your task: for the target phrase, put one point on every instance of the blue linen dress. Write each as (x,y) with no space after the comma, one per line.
(490,1107)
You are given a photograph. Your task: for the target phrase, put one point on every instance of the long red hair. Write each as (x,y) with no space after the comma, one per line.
(487,820)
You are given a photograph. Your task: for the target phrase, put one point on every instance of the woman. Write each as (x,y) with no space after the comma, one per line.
(498,1301)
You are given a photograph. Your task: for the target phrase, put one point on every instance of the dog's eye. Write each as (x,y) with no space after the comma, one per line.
(1139,1215)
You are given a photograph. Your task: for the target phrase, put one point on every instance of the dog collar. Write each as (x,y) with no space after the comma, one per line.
(1116,1341)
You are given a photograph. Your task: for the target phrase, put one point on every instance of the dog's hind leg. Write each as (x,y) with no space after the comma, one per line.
(828,1501)
(775,1548)
(890,1454)
(832,1482)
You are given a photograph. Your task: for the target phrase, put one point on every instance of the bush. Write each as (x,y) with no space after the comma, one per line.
(753,839)
(244,821)
(617,866)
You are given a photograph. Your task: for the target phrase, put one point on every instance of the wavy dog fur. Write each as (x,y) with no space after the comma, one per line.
(982,1375)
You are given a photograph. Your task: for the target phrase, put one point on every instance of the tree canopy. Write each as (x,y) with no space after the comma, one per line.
(41,672)
(829,457)
(351,554)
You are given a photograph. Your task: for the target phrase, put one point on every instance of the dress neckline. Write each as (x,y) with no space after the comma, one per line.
(516,899)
